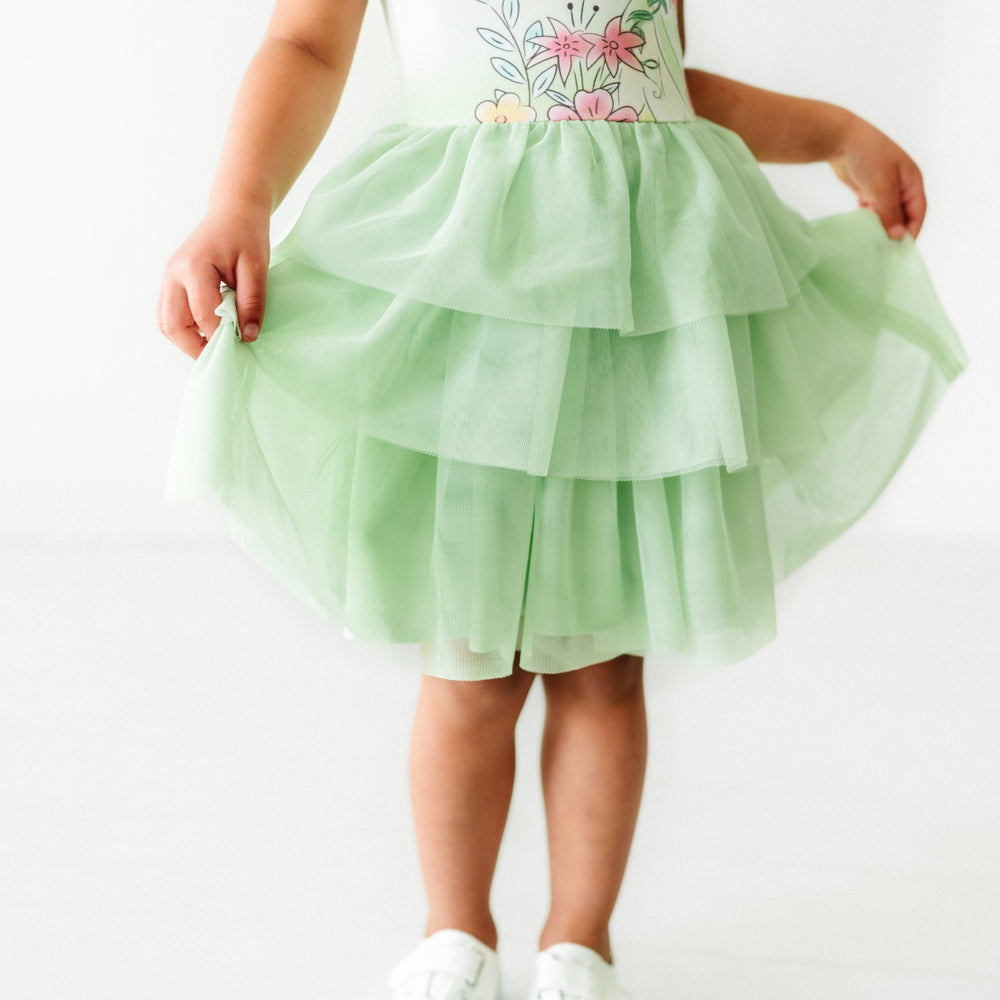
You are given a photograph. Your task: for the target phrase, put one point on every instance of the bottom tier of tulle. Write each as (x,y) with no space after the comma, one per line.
(478,561)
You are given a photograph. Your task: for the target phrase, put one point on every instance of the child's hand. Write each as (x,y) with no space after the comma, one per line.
(233,247)
(883,176)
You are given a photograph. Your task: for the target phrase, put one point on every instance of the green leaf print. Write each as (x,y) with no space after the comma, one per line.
(535,28)
(671,58)
(542,82)
(511,10)
(559,98)
(495,39)
(507,69)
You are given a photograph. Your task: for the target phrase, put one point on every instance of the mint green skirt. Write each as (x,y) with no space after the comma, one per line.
(575,389)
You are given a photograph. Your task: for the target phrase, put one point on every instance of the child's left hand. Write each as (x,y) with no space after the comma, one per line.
(883,176)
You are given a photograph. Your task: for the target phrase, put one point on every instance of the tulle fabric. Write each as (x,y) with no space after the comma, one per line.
(577,389)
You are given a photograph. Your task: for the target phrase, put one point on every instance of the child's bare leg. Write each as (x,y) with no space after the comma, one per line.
(461,779)
(593,767)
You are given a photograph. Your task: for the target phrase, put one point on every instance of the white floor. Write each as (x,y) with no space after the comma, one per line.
(203,791)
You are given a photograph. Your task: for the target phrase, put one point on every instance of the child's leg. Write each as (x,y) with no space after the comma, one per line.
(593,767)
(461,779)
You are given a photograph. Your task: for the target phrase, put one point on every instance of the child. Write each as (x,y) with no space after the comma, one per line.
(548,379)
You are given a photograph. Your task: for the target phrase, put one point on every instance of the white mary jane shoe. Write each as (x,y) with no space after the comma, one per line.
(574,972)
(448,965)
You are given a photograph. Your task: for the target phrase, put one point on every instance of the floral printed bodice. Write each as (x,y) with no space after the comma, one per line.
(504,61)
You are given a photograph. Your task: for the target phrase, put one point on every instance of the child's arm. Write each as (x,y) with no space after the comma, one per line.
(778,128)
(284,107)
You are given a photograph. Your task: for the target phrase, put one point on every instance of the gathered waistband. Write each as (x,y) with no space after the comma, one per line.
(508,107)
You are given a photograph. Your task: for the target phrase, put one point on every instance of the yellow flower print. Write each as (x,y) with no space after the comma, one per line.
(506,108)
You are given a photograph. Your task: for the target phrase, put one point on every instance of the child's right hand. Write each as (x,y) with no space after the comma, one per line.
(227,246)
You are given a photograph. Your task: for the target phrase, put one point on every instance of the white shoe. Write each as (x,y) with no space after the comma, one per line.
(448,965)
(574,972)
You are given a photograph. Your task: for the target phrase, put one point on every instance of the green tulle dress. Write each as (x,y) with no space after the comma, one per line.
(548,366)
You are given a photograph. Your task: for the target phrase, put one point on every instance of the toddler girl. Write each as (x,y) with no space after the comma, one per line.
(545,378)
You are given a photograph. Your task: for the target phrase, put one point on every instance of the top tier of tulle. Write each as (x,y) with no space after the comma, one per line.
(464,62)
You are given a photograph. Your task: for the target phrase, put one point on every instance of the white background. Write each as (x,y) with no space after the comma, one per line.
(202,785)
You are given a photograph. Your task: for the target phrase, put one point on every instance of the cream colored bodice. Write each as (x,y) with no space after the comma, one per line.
(506,61)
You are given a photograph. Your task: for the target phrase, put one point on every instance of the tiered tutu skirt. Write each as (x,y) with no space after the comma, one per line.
(571,388)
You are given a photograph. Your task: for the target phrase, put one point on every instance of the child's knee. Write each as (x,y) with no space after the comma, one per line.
(480,703)
(612,681)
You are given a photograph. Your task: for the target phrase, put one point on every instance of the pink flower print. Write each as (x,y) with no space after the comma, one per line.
(614,46)
(593,105)
(506,108)
(564,45)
